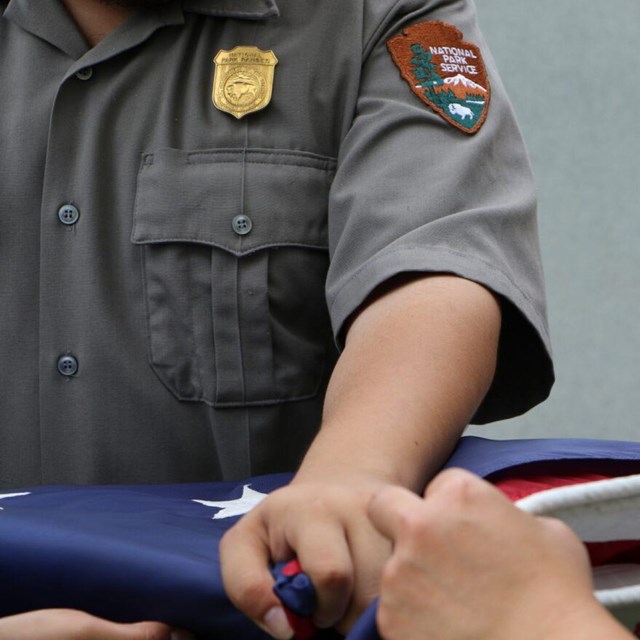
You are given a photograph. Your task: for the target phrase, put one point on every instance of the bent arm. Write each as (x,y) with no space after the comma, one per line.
(417,363)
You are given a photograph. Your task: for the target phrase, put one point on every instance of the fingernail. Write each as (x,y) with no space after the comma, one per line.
(179,634)
(277,624)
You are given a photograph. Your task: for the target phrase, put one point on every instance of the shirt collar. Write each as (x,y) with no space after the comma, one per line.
(237,9)
(48,21)
(51,22)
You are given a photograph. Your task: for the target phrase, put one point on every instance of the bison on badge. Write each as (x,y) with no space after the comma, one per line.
(456,109)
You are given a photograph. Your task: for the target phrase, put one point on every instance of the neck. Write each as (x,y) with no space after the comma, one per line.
(96,19)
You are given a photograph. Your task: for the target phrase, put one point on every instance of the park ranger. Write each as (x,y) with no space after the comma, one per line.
(246,236)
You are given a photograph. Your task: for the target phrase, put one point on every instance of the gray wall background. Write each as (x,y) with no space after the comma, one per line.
(572,68)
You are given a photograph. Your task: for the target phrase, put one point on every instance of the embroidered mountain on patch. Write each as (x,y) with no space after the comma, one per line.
(444,71)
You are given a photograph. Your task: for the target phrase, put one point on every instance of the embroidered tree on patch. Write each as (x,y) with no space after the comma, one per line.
(424,71)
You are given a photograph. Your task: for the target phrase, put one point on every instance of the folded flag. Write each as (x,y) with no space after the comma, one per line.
(126,553)
(150,552)
(297,593)
(586,483)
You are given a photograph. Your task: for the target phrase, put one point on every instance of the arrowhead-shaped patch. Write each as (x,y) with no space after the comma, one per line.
(444,71)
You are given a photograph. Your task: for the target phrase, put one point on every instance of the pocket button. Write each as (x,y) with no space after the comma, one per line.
(242,225)
(67,366)
(68,214)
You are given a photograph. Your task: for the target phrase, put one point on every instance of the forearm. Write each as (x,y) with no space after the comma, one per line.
(417,362)
(416,365)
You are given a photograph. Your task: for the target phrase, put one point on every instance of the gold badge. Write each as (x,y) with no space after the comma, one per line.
(243,80)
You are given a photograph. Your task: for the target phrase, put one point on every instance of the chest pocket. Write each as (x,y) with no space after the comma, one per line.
(234,265)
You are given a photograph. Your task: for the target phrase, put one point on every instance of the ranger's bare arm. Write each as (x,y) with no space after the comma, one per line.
(418,361)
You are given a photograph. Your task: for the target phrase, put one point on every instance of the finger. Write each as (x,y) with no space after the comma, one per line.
(453,479)
(388,508)
(105,630)
(323,553)
(370,552)
(244,559)
(562,536)
(67,624)
(462,488)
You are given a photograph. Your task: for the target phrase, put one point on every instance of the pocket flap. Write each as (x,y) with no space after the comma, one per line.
(195,196)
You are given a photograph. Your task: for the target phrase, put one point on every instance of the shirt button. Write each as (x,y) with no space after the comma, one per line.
(242,225)
(84,74)
(67,365)
(68,214)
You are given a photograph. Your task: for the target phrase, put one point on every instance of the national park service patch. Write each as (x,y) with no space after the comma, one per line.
(444,71)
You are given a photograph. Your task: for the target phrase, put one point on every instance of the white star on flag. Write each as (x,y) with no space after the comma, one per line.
(238,507)
(12,495)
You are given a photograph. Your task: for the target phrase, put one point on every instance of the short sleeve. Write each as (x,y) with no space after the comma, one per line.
(414,194)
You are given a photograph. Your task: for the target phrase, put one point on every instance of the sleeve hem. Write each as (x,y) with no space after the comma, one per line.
(522,380)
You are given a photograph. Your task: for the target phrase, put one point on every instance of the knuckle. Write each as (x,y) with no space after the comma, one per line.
(414,525)
(84,625)
(319,506)
(461,484)
(227,542)
(151,632)
(224,544)
(332,577)
(247,595)
(391,574)
(560,532)
(232,535)
(462,489)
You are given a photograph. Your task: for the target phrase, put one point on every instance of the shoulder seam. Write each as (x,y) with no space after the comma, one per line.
(369,44)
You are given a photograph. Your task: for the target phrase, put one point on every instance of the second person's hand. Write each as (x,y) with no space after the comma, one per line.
(69,624)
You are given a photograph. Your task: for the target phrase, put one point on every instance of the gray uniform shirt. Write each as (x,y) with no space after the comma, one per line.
(203,342)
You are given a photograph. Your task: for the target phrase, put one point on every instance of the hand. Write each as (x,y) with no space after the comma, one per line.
(324,524)
(68,624)
(468,565)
